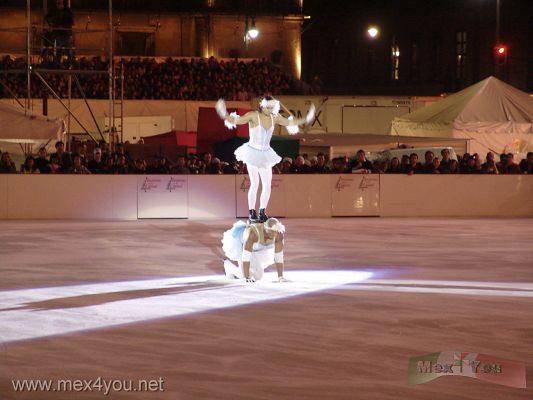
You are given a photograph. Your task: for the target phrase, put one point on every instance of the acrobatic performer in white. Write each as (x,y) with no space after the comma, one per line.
(257,154)
(254,247)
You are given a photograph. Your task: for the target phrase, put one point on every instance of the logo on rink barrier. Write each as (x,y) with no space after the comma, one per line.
(368,182)
(343,183)
(175,184)
(150,184)
(428,367)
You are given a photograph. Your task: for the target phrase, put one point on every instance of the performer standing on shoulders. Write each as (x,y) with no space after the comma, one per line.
(254,247)
(257,154)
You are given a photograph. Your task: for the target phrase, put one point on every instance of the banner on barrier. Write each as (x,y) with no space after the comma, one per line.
(354,195)
(162,196)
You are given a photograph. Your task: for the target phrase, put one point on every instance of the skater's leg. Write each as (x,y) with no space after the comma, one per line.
(253,173)
(232,271)
(266,186)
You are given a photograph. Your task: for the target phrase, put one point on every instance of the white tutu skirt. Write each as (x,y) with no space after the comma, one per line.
(233,242)
(258,158)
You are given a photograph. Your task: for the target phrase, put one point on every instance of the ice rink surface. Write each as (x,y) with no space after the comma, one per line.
(148,300)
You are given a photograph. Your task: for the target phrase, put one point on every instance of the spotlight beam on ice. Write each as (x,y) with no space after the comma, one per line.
(34,313)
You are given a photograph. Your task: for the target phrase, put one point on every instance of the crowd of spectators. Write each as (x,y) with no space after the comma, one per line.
(101,160)
(171,79)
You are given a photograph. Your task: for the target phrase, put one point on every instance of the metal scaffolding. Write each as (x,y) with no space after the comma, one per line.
(115,91)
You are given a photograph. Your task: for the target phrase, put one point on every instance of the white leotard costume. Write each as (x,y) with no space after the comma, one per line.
(257,151)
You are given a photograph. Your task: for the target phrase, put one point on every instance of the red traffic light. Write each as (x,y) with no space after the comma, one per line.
(500,51)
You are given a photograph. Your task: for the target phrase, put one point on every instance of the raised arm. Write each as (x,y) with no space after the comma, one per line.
(292,123)
(231,119)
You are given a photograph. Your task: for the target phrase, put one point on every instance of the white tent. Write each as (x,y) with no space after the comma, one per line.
(493,115)
(17,127)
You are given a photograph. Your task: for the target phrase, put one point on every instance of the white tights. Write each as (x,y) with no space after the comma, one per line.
(265,176)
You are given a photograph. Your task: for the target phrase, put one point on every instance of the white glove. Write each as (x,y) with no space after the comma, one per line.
(220,106)
(292,129)
(309,118)
(229,124)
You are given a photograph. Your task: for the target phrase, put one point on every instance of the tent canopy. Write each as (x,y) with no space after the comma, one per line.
(492,114)
(17,127)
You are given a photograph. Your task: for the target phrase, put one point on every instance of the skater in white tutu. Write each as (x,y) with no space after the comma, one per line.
(253,247)
(257,153)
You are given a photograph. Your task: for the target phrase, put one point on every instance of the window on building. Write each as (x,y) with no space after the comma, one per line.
(460,54)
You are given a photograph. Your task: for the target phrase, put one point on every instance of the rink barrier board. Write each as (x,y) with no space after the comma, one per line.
(456,195)
(102,197)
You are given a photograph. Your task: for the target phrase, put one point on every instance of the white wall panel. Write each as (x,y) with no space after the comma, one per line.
(456,195)
(212,196)
(308,195)
(61,197)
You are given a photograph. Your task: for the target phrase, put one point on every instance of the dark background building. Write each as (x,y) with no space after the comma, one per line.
(423,47)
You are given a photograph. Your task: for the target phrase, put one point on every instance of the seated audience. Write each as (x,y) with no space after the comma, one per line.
(77,166)
(320,167)
(395,167)
(41,162)
(526,165)
(299,166)
(29,166)
(7,166)
(361,165)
